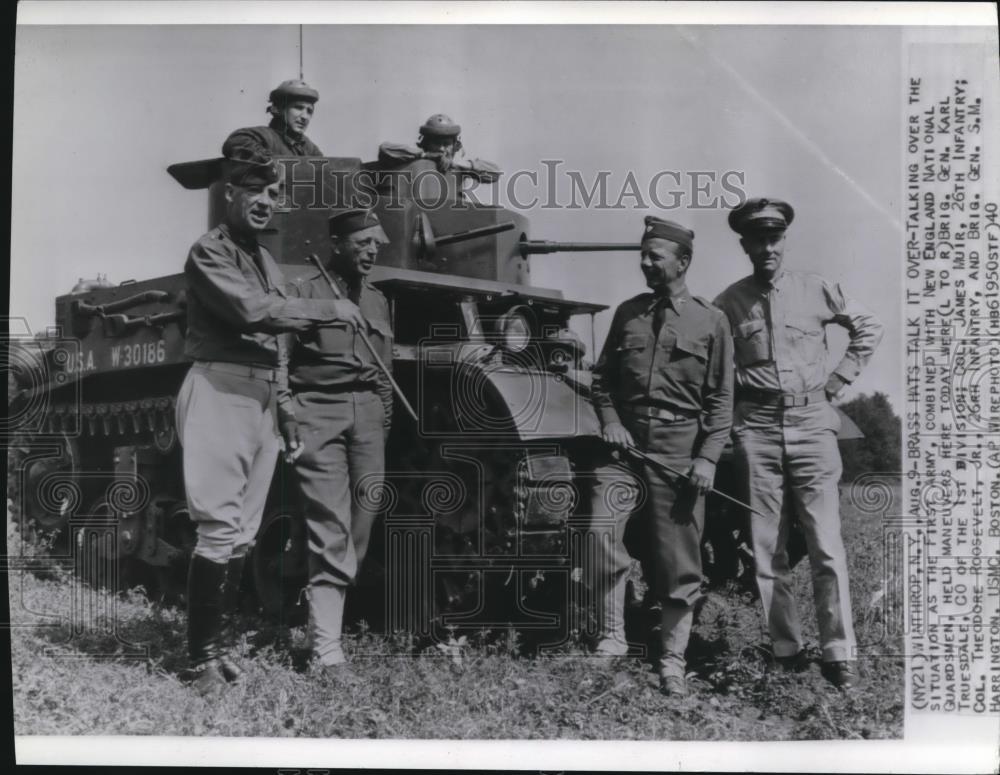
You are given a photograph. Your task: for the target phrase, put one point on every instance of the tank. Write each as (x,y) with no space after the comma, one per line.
(484,507)
(482,495)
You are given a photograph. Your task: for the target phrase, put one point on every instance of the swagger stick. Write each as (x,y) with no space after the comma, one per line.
(660,464)
(314,259)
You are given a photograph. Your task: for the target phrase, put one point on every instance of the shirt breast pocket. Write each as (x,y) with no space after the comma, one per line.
(689,358)
(806,340)
(751,343)
(379,328)
(633,356)
(333,336)
(380,334)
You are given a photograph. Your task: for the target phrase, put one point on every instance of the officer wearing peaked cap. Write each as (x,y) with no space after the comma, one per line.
(439,140)
(226,407)
(291,107)
(756,215)
(785,430)
(662,384)
(337,423)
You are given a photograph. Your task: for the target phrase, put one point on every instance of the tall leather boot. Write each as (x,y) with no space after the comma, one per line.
(206,593)
(231,604)
(326,620)
(612,618)
(675,630)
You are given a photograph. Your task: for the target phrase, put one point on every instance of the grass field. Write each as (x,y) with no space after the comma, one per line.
(92,681)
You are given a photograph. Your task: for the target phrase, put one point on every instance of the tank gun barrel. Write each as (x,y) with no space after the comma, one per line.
(533,247)
(427,242)
(482,231)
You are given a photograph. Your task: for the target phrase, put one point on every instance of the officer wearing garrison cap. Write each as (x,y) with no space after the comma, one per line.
(785,430)
(226,407)
(337,423)
(439,140)
(663,385)
(291,107)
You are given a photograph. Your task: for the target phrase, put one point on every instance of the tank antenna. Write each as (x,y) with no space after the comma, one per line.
(301,75)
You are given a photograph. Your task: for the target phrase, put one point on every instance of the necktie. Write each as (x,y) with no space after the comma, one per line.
(659,313)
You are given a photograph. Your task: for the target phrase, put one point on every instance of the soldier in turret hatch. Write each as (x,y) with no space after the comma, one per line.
(291,107)
(440,140)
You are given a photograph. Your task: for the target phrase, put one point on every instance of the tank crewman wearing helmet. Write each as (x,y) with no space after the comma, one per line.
(291,107)
(662,385)
(226,407)
(785,430)
(337,424)
(440,140)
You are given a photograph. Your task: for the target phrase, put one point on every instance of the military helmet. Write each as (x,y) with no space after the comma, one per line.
(440,125)
(293,90)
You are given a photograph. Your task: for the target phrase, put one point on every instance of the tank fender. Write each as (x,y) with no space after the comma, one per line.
(535,404)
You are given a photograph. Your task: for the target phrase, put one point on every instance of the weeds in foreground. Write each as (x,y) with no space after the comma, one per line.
(117,674)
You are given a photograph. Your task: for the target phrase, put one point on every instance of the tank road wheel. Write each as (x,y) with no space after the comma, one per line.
(449,541)
(52,491)
(279,565)
(431,513)
(181,533)
(106,545)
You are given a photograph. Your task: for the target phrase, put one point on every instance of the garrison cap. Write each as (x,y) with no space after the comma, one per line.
(440,125)
(248,164)
(761,214)
(668,230)
(293,90)
(350,221)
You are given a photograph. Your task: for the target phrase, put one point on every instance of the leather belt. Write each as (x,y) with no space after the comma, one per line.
(334,390)
(659,413)
(240,370)
(785,400)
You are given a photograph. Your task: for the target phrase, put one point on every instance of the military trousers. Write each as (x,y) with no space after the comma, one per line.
(226,423)
(794,451)
(340,475)
(670,513)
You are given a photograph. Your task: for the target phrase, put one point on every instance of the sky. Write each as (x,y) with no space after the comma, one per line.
(806,114)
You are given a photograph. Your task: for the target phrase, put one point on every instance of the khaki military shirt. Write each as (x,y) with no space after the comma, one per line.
(332,356)
(779,332)
(686,365)
(236,302)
